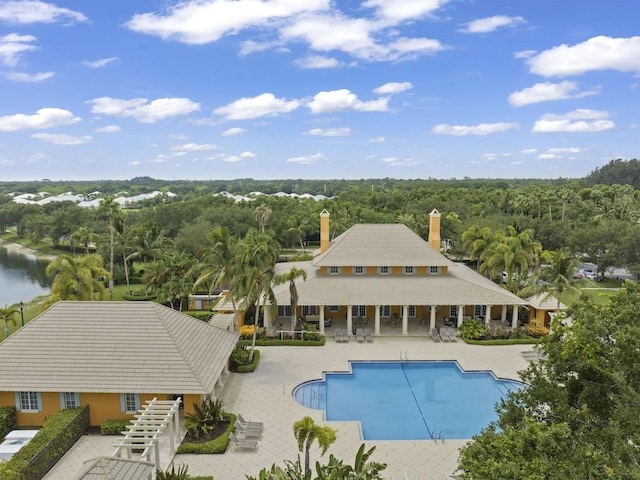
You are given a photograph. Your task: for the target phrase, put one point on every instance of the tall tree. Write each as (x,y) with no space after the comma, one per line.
(476,240)
(8,314)
(111,209)
(262,216)
(291,276)
(307,432)
(77,278)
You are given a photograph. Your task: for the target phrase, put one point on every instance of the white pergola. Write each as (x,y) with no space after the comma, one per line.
(144,432)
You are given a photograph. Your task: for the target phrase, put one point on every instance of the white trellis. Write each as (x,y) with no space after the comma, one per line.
(144,432)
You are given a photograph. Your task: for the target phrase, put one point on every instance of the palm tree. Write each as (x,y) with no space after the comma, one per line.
(84,236)
(291,276)
(111,209)
(170,277)
(476,241)
(8,314)
(262,216)
(77,278)
(257,256)
(307,432)
(554,279)
(219,264)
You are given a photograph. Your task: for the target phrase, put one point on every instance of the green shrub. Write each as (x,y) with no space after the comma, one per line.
(289,342)
(203,315)
(214,446)
(114,426)
(57,435)
(139,295)
(240,355)
(205,417)
(537,331)
(173,474)
(472,330)
(7,420)
(250,367)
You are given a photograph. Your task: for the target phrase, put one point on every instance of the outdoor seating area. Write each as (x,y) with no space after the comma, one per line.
(444,334)
(246,434)
(342,335)
(532,355)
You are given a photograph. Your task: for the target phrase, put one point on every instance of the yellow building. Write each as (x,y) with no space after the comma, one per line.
(111,356)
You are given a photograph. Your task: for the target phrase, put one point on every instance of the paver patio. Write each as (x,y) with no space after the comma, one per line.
(266,396)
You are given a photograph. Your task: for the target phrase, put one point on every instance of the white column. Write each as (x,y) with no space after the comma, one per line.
(487,318)
(514,317)
(321,324)
(267,317)
(503,317)
(377,321)
(460,315)
(432,318)
(349,320)
(405,320)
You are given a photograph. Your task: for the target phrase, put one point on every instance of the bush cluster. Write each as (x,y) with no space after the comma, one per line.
(114,426)
(216,445)
(7,420)
(205,316)
(205,417)
(536,331)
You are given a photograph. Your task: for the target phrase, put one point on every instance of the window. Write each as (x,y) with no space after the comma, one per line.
(408,270)
(385,311)
(129,402)
(453,311)
(412,310)
(359,311)
(284,311)
(359,270)
(384,270)
(69,400)
(334,308)
(334,270)
(29,401)
(309,310)
(480,311)
(434,270)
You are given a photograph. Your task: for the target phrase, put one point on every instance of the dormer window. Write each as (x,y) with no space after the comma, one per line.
(434,270)
(359,270)
(409,270)
(383,270)
(334,270)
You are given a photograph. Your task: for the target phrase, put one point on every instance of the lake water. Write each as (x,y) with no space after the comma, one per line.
(22,277)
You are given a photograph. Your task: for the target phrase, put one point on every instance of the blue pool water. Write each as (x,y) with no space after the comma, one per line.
(408,400)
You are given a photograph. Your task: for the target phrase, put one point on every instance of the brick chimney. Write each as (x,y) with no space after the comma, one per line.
(434,229)
(324,231)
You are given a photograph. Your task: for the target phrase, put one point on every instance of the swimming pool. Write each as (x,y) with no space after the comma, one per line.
(408,400)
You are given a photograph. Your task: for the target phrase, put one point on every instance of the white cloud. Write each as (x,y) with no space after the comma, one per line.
(103,62)
(135,163)
(250,46)
(396,11)
(491,24)
(230,132)
(192,147)
(265,104)
(547,156)
(377,140)
(308,160)
(400,162)
(597,53)
(42,119)
(330,132)
(562,150)
(578,121)
(190,21)
(143,110)
(525,54)
(13,45)
(546,92)
(61,138)
(235,158)
(28,77)
(317,62)
(480,129)
(529,150)
(343,99)
(108,129)
(34,11)
(393,87)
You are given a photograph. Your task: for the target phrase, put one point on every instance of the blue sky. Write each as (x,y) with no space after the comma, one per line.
(223,89)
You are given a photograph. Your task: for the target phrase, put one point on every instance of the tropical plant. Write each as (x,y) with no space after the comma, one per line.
(172,474)
(476,241)
(291,276)
(472,330)
(80,278)
(205,417)
(8,314)
(262,216)
(307,432)
(111,210)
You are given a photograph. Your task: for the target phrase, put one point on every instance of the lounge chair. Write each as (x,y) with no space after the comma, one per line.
(368,335)
(244,443)
(444,334)
(452,335)
(248,424)
(435,334)
(360,335)
(246,432)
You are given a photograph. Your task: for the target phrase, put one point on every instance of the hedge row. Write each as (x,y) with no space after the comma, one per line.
(217,445)
(114,426)
(275,342)
(250,367)
(57,435)
(7,420)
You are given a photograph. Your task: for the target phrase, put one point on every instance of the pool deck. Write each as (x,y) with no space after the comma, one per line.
(266,396)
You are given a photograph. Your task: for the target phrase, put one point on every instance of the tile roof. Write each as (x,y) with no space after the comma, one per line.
(112,468)
(114,347)
(545,301)
(390,244)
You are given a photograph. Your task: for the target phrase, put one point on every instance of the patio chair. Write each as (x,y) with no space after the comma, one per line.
(368,335)
(452,335)
(246,432)
(360,335)
(248,424)
(435,335)
(444,334)
(246,444)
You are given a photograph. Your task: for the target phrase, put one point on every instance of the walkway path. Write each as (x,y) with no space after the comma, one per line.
(266,396)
